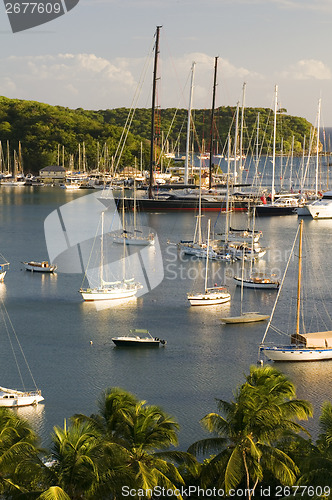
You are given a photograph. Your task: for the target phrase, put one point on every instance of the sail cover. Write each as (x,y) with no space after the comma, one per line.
(314,339)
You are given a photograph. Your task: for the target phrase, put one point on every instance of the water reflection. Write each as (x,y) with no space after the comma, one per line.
(35,415)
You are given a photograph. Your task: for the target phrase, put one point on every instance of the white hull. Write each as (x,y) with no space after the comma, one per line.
(262,284)
(141,241)
(201,251)
(320,211)
(109,293)
(209,299)
(248,317)
(287,353)
(2,275)
(38,267)
(14,399)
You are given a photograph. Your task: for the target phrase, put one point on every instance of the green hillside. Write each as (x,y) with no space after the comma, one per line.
(47,132)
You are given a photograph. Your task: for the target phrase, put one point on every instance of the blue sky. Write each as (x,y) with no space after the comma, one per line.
(95,56)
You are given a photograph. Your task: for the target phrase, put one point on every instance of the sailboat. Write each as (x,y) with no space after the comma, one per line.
(314,346)
(3,269)
(14,398)
(213,295)
(244,317)
(256,280)
(133,235)
(108,290)
(283,204)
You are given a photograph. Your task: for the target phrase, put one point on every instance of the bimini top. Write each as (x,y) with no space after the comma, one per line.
(315,339)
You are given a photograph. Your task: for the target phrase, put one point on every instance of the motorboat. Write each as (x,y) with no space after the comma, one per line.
(138,337)
(322,208)
(40,267)
(11,398)
(281,206)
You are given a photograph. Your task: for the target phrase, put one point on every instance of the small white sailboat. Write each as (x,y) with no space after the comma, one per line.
(14,398)
(110,290)
(256,280)
(133,235)
(244,317)
(138,337)
(3,269)
(213,295)
(39,267)
(314,346)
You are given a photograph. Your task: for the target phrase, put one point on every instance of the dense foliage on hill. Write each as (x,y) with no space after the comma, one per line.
(49,134)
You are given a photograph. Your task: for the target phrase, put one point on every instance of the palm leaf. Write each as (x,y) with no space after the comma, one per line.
(54,493)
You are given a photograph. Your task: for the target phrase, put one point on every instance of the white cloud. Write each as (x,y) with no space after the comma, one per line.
(57,78)
(306,69)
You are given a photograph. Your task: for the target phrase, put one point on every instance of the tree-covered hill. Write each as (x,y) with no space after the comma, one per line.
(47,134)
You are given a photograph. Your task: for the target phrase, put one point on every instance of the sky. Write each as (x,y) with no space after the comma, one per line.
(99,55)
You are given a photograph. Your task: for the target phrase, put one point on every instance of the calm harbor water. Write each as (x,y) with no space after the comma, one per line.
(203,359)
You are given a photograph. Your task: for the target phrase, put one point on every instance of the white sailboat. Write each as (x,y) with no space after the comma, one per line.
(3,269)
(244,317)
(110,290)
(281,205)
(132,235)
(256,280)
(14,398)
(213,295)
(314,346)
(40,267)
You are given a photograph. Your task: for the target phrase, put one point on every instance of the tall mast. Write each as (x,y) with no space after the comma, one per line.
(298,303)
(241,128)
(102,250)
(274,141)
(207,256)
(212,119)
(156,53)
(317,147)
(235,140)
(186,165)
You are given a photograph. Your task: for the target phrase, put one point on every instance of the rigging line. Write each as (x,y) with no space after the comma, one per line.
(4,310)
(280,332)
(93,245)
(280,287)
(12,347)
(132,110)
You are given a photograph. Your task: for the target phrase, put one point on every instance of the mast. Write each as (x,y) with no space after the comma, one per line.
(156,53)
(186,165)
(241,127)
(235,139)
(207,256)
(298,302)
(102,250)
(212,119)
(274,141)
(227,192)
(291,165)
(317,147)
(198,228)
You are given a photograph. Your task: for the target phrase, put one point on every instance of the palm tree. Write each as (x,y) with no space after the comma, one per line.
(132,433)
(316,461)
(20,466)
(77,461)
(264,409)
